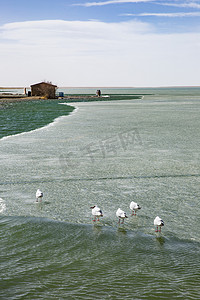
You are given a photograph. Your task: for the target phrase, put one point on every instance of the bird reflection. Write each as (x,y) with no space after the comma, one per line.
(97,229)
(160,240)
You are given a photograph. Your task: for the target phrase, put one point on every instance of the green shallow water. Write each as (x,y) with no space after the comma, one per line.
(22,117)
(54,260)
(105,153)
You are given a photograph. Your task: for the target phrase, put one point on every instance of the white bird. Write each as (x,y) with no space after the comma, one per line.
(158,222)
(39,195)
(96,212)
(134,207)
(121,215)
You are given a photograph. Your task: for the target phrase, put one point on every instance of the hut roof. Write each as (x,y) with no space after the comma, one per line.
(47,83)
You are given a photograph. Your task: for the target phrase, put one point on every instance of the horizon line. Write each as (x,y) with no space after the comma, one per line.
(113,87)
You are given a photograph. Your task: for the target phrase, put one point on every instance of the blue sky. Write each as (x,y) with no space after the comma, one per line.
(100,42)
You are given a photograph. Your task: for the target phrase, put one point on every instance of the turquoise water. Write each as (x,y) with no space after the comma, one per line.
(106,153)
(21,117)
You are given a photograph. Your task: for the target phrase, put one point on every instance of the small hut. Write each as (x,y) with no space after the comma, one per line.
(44,89)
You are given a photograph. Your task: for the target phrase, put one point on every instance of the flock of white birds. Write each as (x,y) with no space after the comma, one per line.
(122,215)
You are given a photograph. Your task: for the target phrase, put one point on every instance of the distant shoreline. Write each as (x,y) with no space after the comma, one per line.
(9,99)
(4,101)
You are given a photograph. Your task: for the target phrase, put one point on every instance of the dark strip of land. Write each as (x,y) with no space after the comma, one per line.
(6,99)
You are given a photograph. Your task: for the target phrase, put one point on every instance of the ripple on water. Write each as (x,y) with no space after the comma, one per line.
(2,205)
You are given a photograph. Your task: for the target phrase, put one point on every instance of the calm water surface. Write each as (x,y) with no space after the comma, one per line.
(106,153)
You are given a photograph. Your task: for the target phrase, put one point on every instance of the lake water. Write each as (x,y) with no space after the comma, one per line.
(106,153)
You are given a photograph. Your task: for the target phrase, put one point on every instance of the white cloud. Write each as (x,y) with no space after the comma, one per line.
(75,53)
(88,4)
(170,15)
(186,4)
(175,4)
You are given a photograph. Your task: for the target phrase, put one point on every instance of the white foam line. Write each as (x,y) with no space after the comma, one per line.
(2,205)
(74,111)
(55,121)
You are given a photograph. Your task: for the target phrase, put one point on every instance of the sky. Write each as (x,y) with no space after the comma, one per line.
(100,43)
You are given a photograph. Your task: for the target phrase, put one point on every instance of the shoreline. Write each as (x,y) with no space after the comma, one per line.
(6,100)
(9,99)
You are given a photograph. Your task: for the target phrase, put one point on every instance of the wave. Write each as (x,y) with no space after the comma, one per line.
(2,205)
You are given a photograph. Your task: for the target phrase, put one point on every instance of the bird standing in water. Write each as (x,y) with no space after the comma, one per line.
(96,212)
(121,215)
(158,222)
(39,195)
(134,207)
